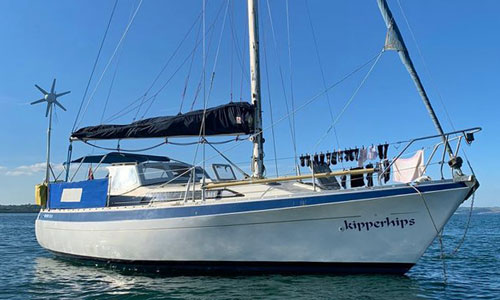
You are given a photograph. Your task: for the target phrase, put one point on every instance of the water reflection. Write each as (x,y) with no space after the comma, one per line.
(61,278)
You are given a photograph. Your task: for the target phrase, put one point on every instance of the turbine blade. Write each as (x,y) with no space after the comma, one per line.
(47,111)
(38,101)
(41,90)
(62,94)
(53,86)
(60,105)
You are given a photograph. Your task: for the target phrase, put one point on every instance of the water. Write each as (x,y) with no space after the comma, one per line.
(29,272)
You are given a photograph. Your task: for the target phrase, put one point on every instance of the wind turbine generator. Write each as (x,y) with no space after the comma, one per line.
(51,99)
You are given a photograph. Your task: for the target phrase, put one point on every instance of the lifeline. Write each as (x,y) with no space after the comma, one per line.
(353,225)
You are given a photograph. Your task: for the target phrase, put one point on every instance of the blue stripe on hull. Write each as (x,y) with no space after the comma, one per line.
(216,209)
(175,268)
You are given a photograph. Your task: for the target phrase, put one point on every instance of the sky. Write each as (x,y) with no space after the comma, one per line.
(456,51)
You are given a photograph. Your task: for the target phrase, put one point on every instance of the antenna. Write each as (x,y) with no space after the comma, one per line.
(51,99)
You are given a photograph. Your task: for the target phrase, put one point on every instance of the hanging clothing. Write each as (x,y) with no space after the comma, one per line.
(387,172)
(408,169)
(347,155)
(386,147)
(369,176)
(356,154)
(380,149)
(357,180)
(362,156)
(372,153)
(343,181)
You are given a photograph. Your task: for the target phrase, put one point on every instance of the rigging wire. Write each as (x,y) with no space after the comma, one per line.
(292,131)
(425,64)
(202,129)
(232,54)
(131,107)
(270,104)
(200,82)
(95,64)
(167,63)
(350,99)
(217,52)
(111,86)
(332,116)
(306,103)
(186,83)
(110,60)
(239,52)
(244,73)
(440,97)
(291,83)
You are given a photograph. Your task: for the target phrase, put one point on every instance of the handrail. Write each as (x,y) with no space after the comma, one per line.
(447,134)
(287,178)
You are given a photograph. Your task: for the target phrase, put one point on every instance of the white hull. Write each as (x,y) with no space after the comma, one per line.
(334,232)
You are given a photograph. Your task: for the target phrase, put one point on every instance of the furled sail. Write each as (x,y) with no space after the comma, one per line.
(229,119)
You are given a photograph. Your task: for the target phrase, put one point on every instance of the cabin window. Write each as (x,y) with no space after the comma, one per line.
(223,172)
(123,178)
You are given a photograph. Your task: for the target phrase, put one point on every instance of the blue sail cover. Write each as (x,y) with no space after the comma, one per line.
(229,119)
(82,194)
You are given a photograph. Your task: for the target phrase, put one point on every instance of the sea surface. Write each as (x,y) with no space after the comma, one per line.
(29,272)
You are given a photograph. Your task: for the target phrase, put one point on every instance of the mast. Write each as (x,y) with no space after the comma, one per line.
(394,41)
(258,140)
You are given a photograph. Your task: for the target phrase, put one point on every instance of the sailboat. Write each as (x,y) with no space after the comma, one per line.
(160,213)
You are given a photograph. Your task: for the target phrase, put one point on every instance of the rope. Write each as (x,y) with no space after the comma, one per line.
(439,233)
(467,225)
(350,99)
(461,241)
(110,60)
(95,65)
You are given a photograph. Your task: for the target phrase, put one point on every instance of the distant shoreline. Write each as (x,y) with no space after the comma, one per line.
(31,208)
(23,208)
